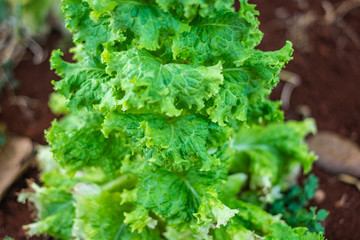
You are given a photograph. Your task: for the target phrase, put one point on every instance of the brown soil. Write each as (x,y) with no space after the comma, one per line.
(329,89)
(13,214)
(35,85)
(26,120)
(342,201)
(329,68)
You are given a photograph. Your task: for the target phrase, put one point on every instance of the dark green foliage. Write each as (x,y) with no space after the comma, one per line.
(293,205)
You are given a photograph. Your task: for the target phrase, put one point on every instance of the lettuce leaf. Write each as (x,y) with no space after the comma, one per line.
(55,211)
(270,153)
(75,133)
(167,88)
(177,145)
(220,38)
(99,215)
(190,8)
(252,222)
(187,199)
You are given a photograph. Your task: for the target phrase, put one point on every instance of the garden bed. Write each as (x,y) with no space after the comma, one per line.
(325,58)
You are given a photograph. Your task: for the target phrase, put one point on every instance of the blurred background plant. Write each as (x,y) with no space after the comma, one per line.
(23,25)
(293,206)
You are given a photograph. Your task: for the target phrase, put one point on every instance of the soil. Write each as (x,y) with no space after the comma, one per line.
(328,66)
(25,110)
(28,116)
(325,58)
(14,215)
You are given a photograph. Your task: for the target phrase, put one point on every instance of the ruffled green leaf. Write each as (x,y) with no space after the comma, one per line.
(173,234)
(262,113)
(178,144)
(55,211)
(253,35)
(213,212)
(190,8)
(262,225)
(78,21)
(169,89)
(138,219)
(181,144)
(70,137)
(248,85)
(100,7)
(220,38)
(270,153)
(266,65)
(148,23)
(100,216)
(188,198)
(234,231)
(83,83)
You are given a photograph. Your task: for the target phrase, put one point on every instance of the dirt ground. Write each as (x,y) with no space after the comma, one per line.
(326,58)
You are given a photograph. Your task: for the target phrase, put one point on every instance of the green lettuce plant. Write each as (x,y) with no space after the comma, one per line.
(170,133)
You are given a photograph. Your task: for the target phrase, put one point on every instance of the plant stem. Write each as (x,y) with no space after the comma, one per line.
(124,181)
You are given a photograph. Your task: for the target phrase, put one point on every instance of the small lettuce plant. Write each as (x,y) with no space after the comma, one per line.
(170,133)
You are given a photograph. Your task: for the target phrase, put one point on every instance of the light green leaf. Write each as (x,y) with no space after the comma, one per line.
(83,83)
(147,22)
(190,8)
(234,231)
(178,144)
(100,7)
(173,234)
(169,89)
(71,136)
(221,38)
(234,184)
(265,112)
(188,198)
(268,226)
(267,65)
(149,25)
(269,153)
(57,103)
(213,210)
(248,85)
(253,36)
(138,219)
(99,216)
(55,211)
